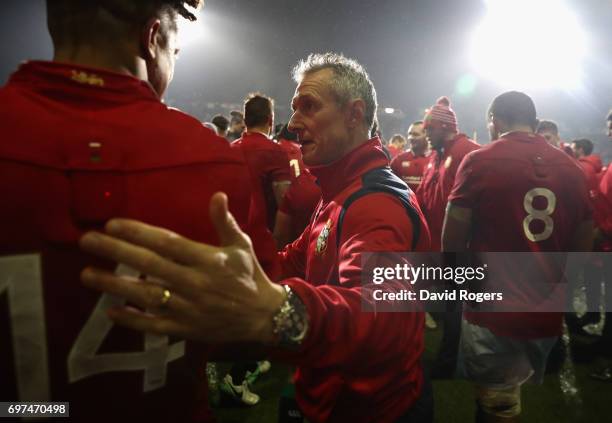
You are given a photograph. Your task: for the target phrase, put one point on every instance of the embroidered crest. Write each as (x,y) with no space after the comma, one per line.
(322,239)
(85,78)
(405,164)
(448,162)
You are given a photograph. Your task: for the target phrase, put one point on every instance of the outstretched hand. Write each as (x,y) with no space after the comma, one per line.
(211,294)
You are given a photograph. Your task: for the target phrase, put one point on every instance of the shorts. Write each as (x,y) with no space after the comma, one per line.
(499,362)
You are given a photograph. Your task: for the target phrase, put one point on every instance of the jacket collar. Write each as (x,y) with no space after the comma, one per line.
(70,80)
(336,176)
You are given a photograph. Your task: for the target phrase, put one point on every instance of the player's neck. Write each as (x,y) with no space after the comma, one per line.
(94,57)
(419,152)
(263,131)
(517,128)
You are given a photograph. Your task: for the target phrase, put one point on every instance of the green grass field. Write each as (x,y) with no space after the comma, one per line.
(454,399)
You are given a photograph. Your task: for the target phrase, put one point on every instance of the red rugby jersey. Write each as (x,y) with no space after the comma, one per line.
(80,146)
(410,168)
(603,205)
(438,181)
(268,164)
(591,166)
(304,193)
(525,195)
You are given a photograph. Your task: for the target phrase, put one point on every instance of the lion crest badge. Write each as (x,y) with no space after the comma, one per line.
(322,239)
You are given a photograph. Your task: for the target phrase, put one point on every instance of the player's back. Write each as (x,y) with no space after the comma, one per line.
(525,196)
(81,146)
(268,164)
(530,196)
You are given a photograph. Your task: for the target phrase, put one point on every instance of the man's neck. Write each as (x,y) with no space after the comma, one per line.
(419,152)
(259,130)
(517,128)
(120,61)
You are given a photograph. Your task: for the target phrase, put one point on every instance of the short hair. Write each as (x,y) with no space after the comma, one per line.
(548,126)
(68,19)
(220,122)
(350,80)
(514,108)
(395,136)
(258,109)
(585,145)
(609,118)
(417,122)
(286,134)
(236,117)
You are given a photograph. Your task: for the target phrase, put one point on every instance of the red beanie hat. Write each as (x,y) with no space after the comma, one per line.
(441,115)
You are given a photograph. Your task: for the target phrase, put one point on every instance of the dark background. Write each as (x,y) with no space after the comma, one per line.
(415,51)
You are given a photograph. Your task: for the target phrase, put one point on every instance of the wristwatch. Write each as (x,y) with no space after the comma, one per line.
(290,323)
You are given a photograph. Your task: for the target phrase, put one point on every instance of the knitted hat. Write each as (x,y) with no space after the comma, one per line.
(441,115)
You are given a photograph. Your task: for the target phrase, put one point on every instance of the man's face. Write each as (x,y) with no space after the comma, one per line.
(578,152)
(610,129)
(399,143)
(417,138)
(160,68)
(319,122)
(435,136)
(550,137)
(238,127)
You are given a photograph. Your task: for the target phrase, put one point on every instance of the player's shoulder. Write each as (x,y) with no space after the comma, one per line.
(404,156)
(466,144)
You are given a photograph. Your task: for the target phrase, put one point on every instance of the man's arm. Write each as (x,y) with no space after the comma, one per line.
(280,189)
(343,322)
(457,228)
(283,229)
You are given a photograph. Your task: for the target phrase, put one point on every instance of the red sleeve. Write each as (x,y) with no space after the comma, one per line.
(340,332)
(467,186)
(603,203)
(293,257)
(277,164)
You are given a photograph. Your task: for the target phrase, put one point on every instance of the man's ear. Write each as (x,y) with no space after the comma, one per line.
(355,112)
(151,38)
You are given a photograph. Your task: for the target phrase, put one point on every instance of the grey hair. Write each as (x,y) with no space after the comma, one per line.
(350,79)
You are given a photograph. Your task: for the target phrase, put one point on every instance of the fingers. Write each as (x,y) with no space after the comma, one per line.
(162,241)
(227,228)
(147,295)
(144,322)
(181,279)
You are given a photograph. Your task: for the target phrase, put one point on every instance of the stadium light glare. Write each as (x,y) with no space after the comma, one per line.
(529,44)
(389,110)
(190,33)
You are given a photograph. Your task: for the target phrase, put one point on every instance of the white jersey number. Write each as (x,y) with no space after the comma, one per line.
(536,214)
(21,277)
(296,167)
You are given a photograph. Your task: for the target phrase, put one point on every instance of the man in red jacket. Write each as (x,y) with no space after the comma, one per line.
(302,197)
(267,161)
(589,162)
(448,149)
(603,219)
(86,137)
(411,164)
(352,365)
